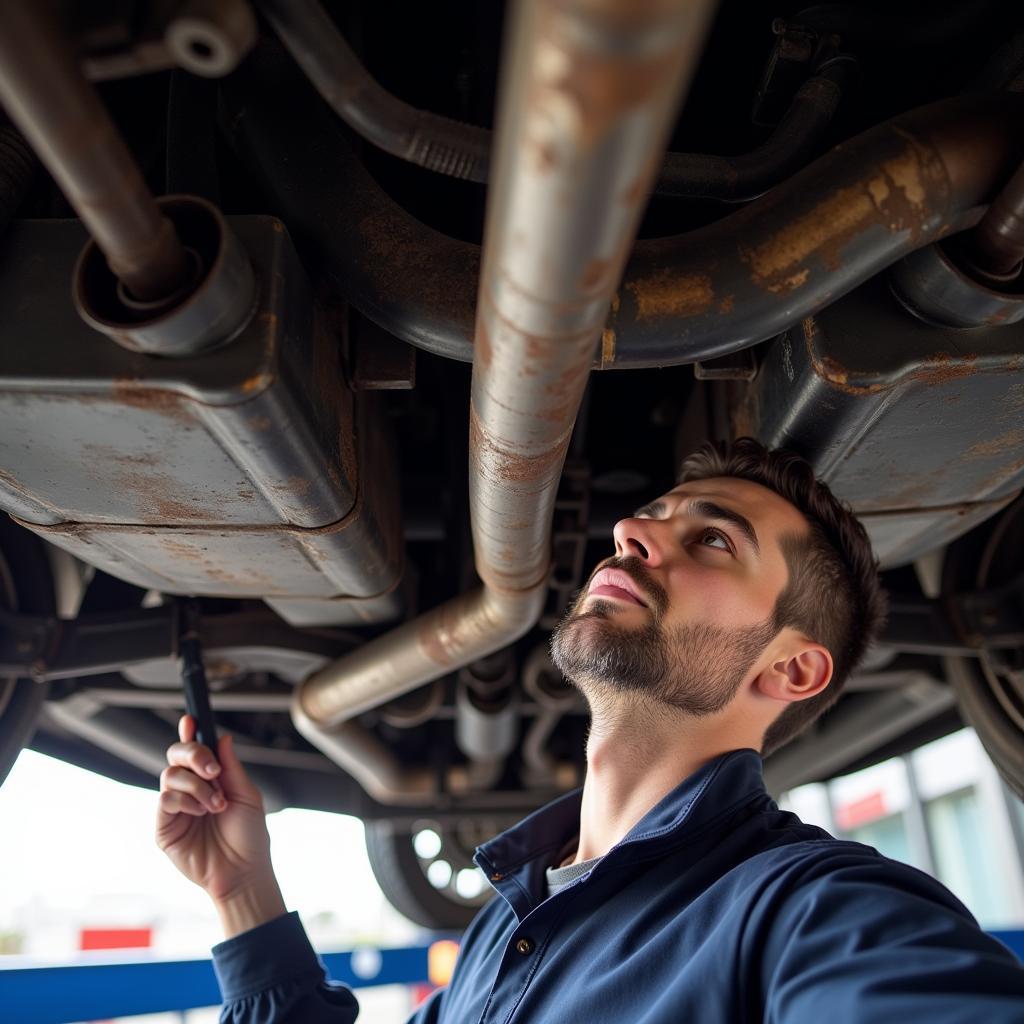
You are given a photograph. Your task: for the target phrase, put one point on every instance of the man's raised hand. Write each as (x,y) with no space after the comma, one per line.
(211,824)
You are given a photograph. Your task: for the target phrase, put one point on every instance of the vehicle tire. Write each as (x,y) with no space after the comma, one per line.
(403,874)
(990,689)
(26,585)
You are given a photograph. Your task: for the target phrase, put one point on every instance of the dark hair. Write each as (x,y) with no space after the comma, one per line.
(834,594)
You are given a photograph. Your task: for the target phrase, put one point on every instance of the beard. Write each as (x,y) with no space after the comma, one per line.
(695,668)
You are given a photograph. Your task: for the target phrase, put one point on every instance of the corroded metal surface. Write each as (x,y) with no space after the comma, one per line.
(587,109)
(240,472)
(934,286)
(962,388)
(437,642)
(590,89)
(860,207)
(56,109)
(837,223)
(211,309)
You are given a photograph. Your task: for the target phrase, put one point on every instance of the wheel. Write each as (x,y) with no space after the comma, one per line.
(26,584)
(990,689)
(427,871)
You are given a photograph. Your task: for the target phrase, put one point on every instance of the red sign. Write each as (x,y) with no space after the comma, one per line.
(115,938)
(860,812)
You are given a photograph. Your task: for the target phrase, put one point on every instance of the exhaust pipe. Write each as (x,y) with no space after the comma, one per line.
(590,91)
(57,110)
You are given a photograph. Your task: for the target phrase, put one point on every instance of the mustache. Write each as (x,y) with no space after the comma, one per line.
(634,567)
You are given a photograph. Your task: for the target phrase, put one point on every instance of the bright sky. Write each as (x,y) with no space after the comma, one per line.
(78,850)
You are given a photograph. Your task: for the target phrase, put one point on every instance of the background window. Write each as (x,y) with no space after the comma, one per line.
(963,860)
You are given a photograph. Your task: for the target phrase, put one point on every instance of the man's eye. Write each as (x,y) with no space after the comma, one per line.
(714,535)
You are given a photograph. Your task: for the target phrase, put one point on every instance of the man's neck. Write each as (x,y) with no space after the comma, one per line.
(635,756)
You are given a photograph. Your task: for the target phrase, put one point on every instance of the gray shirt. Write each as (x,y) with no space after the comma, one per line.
(558,878)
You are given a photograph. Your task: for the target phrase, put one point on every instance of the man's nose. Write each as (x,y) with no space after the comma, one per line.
(639,538)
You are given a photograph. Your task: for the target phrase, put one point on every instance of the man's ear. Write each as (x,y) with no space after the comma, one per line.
(798,674)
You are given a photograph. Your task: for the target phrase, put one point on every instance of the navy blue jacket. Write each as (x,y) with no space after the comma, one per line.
(716,907)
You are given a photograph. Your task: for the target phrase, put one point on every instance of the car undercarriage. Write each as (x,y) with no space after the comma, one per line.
(257,396)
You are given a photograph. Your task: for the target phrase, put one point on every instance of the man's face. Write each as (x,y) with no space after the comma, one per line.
(684,608)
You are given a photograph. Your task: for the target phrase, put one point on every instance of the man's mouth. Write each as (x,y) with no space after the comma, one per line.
(616,584)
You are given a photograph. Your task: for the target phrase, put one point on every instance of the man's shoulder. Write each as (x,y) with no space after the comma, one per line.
(816,866)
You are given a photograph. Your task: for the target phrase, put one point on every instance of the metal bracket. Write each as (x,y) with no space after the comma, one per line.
(47,648)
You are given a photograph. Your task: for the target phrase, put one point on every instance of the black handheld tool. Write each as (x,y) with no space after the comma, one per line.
(193,675)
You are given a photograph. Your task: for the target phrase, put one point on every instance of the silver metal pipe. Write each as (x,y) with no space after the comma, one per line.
(482,733)
(115,731)
(590,90)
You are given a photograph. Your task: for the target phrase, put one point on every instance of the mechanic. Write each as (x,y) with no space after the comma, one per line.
(671,887)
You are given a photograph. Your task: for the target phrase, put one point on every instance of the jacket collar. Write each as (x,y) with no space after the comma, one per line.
(515,860)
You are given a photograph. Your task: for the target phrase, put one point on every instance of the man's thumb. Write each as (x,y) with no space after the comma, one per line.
(233,776)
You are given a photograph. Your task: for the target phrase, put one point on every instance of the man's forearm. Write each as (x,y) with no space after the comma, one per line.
(250,905)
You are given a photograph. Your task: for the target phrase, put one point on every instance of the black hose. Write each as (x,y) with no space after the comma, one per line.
(696,296)
(463,150)
(437,143)
(790,146)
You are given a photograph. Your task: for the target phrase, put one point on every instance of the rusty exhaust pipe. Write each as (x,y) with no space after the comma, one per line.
(590,91)
(57,110)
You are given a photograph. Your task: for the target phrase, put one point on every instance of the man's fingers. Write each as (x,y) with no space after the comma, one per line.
(186,728)
(172,802)
(181,780)
(195,757)
(234,777)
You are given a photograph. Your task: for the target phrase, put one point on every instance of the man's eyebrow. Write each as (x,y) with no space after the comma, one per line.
(710,510)
(654,509)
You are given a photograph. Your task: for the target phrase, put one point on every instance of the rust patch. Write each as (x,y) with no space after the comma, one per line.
(667,294)
(1011,441)
(192,552)
(257,382)
(509,467)
(831,371)
(906,172)
(566,389)
(895,199)
(943,367)
(165,403)
(726,305)
(607,347)
(295,485)
(157,495)
(401,248)
(791,283)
